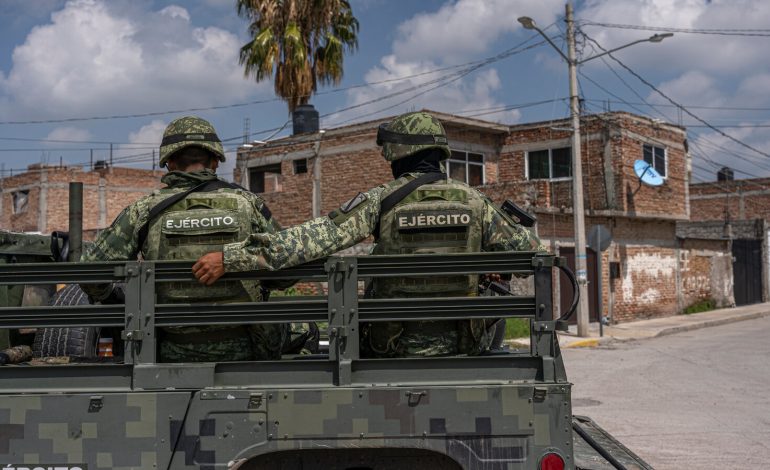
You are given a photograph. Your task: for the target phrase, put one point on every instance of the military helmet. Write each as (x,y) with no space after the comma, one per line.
(411,133)
(189,131)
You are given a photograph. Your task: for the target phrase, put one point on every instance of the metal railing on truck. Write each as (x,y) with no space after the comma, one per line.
(342,308)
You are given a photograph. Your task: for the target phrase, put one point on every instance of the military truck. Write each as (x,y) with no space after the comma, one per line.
(507,409)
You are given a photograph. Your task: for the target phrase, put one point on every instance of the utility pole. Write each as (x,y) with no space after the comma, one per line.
(316,191)
(578,213)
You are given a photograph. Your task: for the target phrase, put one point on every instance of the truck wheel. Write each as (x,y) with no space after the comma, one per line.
(78,341)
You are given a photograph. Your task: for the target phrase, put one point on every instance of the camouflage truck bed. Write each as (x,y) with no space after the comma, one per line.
(507,410)
(281,428)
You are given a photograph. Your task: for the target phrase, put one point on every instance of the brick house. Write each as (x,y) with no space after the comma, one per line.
(737,211)
(646,272)
(37,200)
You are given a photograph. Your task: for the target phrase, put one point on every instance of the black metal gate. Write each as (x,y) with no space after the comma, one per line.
(747,271)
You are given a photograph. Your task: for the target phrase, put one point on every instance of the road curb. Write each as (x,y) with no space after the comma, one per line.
(709,323)
(583,343)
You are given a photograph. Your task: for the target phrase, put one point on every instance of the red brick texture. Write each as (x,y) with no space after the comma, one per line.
(122,186)
(730,200)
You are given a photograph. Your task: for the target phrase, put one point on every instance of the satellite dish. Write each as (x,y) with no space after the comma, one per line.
(647,174)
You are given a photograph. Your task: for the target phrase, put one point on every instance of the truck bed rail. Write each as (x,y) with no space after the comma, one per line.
(342,308)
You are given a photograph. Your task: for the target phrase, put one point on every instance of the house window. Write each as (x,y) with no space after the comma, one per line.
(265,179)
(467,167)
(655,156)
(300,166)
(549,164)
(20,200)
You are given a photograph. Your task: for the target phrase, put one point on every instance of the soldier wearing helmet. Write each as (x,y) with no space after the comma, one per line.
(195,213)
(421,211)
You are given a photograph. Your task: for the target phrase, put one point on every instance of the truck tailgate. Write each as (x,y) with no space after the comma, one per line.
(594,448)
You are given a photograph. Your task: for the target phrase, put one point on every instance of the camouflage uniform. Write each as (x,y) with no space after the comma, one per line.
(358,218)
(16,355)
(120,242)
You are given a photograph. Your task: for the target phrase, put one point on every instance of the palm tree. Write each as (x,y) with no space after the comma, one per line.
(302,41)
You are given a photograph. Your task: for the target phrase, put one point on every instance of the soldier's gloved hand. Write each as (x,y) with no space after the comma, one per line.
(209,268)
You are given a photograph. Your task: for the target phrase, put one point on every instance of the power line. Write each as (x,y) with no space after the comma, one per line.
(247,103)
(749,158)
(720,32)
(580,72)
(617,75)
(685,110)
(718,108)
(447,79)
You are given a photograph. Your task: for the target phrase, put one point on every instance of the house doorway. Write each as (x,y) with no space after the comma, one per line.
(565,288)
(747,271)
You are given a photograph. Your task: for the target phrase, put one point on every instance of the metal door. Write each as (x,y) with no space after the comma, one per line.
(747,271)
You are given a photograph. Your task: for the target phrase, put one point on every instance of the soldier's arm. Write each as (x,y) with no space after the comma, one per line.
(115,243)
(314,239)
(264,222)
(503,234)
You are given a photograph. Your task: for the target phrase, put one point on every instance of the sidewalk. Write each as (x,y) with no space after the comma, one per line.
(659,326)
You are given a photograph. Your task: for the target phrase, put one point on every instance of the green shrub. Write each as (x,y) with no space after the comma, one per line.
(700,306)
(516,328)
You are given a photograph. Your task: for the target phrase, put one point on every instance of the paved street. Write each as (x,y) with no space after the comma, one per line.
(697,399)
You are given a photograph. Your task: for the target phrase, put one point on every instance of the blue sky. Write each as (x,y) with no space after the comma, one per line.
(64,61)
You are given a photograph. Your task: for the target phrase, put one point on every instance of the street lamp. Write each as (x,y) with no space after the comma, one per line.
(578,211)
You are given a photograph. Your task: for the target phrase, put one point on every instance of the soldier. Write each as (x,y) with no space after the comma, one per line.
(421,211)
(194,214)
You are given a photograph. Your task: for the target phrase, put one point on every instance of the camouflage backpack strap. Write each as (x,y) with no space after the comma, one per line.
(392,199)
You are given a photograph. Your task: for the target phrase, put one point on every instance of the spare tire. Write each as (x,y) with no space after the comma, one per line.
(77,341)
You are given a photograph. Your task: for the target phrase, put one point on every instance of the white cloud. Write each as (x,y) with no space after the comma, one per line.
(464,94)
(175,11)
(466,27)
(708,98)
(709,74)
(111,57)
(717,54)
(457,32)
(150,134)
(70,134)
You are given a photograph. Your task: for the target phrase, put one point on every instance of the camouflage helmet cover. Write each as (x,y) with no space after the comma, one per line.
(189,131)
(411,133)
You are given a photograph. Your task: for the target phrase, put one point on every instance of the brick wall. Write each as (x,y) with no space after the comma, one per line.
(350,163)
(659,275)
(611,144)
(105,193)
(706,272)
(733,200)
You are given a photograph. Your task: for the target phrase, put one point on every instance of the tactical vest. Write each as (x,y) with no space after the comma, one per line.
(441,217)
(201,223)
